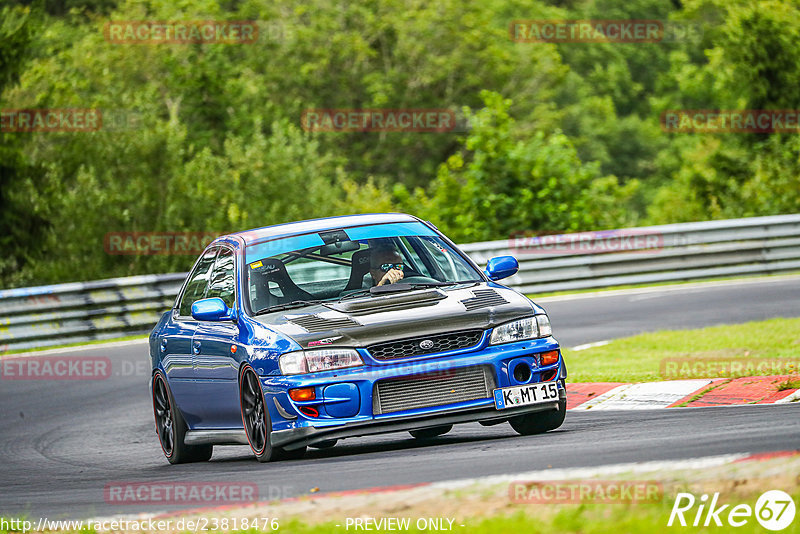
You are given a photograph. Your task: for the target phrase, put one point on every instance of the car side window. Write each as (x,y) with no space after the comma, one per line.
(198,282)
(223,278)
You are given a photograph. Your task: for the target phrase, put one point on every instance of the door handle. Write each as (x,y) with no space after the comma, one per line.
(196,347)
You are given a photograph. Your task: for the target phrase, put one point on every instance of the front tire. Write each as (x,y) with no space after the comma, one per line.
(255,416)
(429,433)
(540,422)
(171,427)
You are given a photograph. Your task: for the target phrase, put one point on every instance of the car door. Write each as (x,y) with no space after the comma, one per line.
(215,345)
(176,342)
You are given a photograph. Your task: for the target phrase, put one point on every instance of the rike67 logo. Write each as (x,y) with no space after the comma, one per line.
(774,510)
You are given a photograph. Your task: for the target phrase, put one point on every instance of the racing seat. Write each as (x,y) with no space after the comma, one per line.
(270,285)
(358,270)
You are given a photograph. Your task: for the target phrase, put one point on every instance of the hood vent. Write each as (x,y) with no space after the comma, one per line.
(408,299)
(316,324)
(483,298)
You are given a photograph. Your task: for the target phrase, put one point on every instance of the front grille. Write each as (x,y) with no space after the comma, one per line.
(420,345)
(432,389)
(483,298)
(315,323)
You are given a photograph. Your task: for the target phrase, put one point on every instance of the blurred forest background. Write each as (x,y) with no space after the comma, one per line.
(564,137)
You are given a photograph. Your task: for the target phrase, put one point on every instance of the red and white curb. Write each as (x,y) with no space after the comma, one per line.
(673,393)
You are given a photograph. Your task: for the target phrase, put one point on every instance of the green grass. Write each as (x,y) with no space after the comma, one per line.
(638,358)
(546,519)
(535,296)
(76,344)
(573,519)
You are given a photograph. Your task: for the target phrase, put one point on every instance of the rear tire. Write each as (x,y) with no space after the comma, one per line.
(429,433)
(171,427)
(540,422)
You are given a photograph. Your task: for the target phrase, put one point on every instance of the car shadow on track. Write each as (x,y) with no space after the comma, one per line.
(354,447)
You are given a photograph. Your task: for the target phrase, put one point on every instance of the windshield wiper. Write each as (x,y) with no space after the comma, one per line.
(395,288)
(288,305)
(355,294)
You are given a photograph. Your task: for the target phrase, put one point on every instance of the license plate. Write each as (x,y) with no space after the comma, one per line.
(525,395)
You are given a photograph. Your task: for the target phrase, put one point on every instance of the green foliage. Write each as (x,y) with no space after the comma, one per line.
(565,136)
(752,65)
(502,184)
(19,228)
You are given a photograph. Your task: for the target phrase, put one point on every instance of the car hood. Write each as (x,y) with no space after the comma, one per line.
(361,322)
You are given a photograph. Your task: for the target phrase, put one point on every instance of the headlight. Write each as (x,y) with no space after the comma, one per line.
(522,329)
(311,361)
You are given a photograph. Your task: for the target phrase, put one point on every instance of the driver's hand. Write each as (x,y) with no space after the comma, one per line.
(391,276)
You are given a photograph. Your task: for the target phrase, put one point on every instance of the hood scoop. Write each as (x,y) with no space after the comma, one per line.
(393,300)
(315,323)
(483,298)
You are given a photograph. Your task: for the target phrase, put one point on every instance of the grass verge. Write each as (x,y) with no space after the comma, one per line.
(639,358)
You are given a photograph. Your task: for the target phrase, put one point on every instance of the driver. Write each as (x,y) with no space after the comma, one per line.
(385,266)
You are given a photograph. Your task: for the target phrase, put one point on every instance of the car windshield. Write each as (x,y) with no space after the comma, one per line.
(330,265)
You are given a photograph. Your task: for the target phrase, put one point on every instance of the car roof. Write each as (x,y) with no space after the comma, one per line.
(266,233)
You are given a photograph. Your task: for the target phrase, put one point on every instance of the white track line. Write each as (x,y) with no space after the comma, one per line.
(794,397)
(590,345)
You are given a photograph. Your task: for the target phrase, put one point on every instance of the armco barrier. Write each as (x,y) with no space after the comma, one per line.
(49,315)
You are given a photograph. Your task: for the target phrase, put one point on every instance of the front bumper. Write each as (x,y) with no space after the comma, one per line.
(291,428)
(299,437)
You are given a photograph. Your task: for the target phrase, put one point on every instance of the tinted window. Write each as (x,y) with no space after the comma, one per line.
(198,282)
(222,278)
(330,271)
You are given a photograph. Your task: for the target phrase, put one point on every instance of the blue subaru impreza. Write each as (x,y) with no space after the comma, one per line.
(306,333)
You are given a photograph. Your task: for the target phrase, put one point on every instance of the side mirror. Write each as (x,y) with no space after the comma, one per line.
(212,309)
(501,267)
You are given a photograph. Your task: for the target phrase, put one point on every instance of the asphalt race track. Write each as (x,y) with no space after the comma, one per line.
(63,441)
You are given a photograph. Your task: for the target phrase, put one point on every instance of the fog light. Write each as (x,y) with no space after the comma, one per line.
(548,358)
(302,394)
(522,372)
